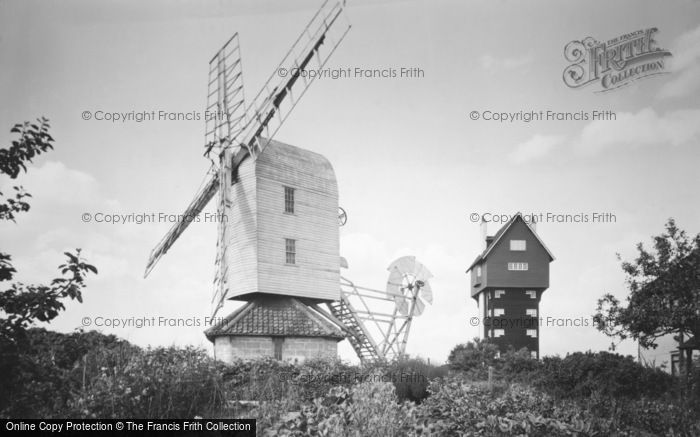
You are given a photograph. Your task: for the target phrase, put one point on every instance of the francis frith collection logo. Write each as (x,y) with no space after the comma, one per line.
(614,63)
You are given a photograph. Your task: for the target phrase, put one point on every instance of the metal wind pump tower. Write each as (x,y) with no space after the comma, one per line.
(382,333)
(278,249)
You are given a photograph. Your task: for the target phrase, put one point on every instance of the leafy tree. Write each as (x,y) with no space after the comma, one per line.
(23,304)
(664,286)
(33,141)
(476,354)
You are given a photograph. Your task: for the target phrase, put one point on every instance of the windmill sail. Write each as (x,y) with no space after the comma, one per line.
(225,114)
(289,81)
(263,118)
(196,206)
(224,121)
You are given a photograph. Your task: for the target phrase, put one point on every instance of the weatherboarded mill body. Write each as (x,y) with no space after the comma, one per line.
(278,236)
(281,257)
(508,279)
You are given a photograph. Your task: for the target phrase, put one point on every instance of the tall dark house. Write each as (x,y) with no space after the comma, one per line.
(508,279)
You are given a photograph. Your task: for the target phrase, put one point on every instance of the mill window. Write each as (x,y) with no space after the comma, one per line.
(289,200)
(290,248)
(532,333)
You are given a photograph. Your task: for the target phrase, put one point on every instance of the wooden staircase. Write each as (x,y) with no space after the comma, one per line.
(360,340)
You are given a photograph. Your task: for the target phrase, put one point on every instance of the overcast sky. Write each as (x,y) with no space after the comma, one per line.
(411,164)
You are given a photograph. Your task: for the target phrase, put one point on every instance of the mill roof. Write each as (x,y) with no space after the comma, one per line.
(281,153)
(497,237)
(274,316)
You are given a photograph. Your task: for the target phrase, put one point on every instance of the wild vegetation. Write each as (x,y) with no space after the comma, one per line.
(88,375)
(45,374)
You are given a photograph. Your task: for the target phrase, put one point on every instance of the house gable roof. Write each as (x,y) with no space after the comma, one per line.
(497,237)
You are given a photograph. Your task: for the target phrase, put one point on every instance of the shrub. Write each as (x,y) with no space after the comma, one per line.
(156,383)
(515,363)
(458,407)
(267,379)
(411,377)
(475,355)
(582,374)
(367,409)
(257,380)
(53,367)
(317,376)
(578,375)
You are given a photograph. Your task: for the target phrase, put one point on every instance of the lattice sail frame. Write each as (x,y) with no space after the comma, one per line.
(276,99)
(225,116)
(225,113)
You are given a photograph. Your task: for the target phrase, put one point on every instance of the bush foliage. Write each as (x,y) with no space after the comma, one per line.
(88,375)
(580,374)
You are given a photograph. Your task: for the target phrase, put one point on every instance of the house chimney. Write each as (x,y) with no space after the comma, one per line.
(533,223)
(484,233)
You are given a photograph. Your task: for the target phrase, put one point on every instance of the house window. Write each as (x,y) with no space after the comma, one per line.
(478,271)
(531,293)
(289,200)
(532,333)
(532,312)
(290,248)
(518,245)
(533,355)
(500,293)
(499,332)
(517,266)
(499,312)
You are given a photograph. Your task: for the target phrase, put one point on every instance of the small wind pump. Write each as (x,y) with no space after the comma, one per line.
(381,334)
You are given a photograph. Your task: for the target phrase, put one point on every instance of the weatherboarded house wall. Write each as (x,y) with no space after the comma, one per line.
(259,226)
(509,299)
(495,271)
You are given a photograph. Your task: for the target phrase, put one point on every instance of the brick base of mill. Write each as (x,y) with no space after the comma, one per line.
(275,326)
(296,349)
